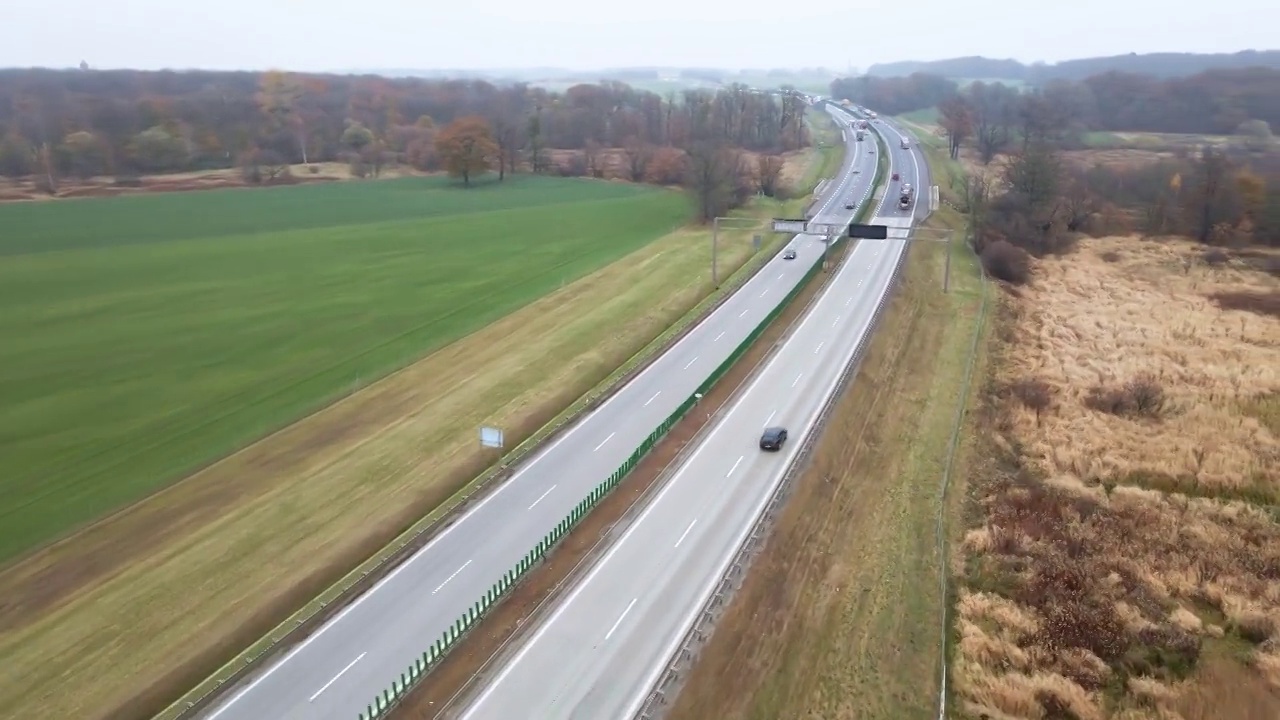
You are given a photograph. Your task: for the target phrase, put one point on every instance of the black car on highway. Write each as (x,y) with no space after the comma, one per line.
(789,254)
(773,438)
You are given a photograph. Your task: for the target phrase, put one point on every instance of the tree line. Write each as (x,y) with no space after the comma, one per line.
(1036,201)
(1217,102)
(57,124)
(1162,65)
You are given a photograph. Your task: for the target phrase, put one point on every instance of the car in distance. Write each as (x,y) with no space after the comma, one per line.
(789,254)
(895,177)
(848,206)
(772,438)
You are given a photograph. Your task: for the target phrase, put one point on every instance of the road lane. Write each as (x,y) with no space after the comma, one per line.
(395,621)
(581,662)
(570,667)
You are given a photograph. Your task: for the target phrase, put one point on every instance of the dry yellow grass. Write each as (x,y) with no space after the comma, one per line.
(1126,566)
(840,617)
(256,535)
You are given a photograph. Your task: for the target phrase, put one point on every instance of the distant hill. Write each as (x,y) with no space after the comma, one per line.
(1162,65)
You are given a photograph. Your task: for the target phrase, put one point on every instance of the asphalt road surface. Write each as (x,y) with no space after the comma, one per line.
(339,669)
(608,641)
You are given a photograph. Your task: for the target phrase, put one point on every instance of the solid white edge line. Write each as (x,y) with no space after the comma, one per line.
(673,646)
(527,463)
(510,665)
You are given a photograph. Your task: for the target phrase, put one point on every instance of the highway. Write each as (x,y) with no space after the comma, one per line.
(607,642)
(340,668)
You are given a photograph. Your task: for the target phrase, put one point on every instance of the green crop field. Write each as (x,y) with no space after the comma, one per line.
(147,335)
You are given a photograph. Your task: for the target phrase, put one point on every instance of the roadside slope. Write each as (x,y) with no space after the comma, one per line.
(840,615)
(265,530)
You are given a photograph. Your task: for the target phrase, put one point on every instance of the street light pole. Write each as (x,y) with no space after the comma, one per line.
(715,236)
(946,277)
(715,242)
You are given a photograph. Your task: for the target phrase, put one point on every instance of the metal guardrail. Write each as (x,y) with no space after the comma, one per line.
(672,679)
(433,655)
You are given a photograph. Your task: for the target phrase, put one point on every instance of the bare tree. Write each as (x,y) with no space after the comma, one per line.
(591,156)
(1208,201)
(638,154)
(991,108)
(533,131)
(768,174)
(711,177)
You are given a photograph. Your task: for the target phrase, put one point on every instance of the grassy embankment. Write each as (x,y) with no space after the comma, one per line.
(841,616)
(265,529)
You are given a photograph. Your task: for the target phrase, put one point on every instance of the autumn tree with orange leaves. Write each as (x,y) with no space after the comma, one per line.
(466,147)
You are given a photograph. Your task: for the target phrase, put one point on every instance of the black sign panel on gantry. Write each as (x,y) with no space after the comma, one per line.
(869,232)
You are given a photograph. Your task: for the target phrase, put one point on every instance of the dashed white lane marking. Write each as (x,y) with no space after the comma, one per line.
(548,492)
(797,380)
(620,617)
(685,534)
(455,572)
(602,442)
(655,397)
(691,362)
(815,350)
(735,465)
(341,672)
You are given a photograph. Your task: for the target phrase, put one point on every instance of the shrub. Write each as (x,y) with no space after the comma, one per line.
(1142,396)
(1215,256)
(1256,302)
(1110,256)
(1005,261)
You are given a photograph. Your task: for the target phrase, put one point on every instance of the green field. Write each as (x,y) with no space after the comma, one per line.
(926,116)
(147,335)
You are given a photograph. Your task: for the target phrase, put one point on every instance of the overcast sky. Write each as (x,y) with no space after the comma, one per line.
(591,34)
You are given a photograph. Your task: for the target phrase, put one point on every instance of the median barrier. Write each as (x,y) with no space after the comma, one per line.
(388,699)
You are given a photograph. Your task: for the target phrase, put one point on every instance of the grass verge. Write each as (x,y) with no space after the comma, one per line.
(581,351)
(1123,546)
(840,615)
(468,663)
(265,531)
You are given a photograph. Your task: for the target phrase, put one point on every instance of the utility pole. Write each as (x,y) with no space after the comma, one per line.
(946,276)
(715,241)
(715,236)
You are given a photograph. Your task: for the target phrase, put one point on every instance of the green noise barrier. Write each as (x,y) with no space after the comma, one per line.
(435,654)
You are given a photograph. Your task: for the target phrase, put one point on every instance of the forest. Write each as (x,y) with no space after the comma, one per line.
(1163,65)
(1214,102)
(122,123)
